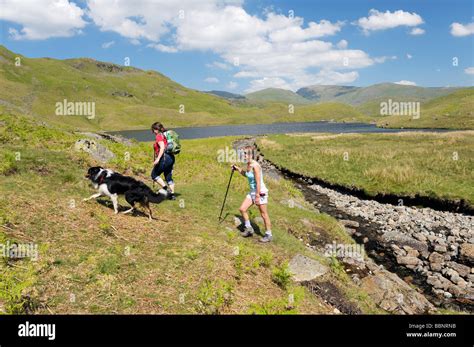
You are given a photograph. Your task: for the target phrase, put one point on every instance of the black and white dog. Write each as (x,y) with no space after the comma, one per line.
(112,184)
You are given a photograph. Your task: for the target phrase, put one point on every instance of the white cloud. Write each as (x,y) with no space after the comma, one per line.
(41,20)
(218,65)
(458,29)
(469,70)
(387,20)
(274,50)
(211,80)
(409,56)
(163,48)
(417,31)
(384,58)
(342,44)
(107,45)
(406,83)
(232,85)
(294,31)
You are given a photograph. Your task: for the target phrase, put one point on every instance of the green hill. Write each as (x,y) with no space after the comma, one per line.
(452,111)
(130,98)
(319,93)
(360,95)
(277,95)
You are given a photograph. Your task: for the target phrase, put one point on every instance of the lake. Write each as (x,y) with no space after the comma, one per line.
(262,129)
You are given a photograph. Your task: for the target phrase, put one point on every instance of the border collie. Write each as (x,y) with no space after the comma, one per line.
(113,184)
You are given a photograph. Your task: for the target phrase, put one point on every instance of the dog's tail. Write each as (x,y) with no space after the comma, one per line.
(155,198)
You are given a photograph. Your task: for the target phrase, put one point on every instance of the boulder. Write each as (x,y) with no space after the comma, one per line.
(95,149)
(462,270)
(305,269)
(392,294)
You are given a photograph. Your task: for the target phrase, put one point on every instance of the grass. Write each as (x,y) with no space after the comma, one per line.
(431,164)
(92,261)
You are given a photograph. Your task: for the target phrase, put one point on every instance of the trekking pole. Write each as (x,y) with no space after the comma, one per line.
(154,157)
(227,191)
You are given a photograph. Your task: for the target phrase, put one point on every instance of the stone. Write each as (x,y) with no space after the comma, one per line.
(447,295)
(350,231)
(407,260)
(392,294)
(436,258)
(95,149)
(440,249)
(436,266)
(411,252)
(349,223)
(305,269)
(455,290)
(461,269)
(466,251)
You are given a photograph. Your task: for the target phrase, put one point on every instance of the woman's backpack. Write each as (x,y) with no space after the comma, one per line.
(174,146)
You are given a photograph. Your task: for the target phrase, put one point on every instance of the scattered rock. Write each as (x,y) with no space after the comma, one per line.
(466,251)
(305,269)
(407,260)
(98,151)
(349,223)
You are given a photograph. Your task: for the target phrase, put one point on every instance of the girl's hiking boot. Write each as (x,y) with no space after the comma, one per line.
(171,196)
(266,238)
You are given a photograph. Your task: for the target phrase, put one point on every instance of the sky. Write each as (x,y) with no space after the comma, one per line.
(244,46)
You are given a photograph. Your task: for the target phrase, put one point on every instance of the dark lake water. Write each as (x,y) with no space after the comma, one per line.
(262,129)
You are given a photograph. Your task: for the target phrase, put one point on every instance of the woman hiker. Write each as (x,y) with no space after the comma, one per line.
(163,163)
(258,194)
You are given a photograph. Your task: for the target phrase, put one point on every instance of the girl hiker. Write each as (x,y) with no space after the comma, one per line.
(164,160)
(258,194)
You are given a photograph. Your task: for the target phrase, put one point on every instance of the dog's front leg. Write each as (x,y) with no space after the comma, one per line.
(94,196)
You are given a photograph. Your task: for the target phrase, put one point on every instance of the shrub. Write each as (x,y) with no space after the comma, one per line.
(281,275)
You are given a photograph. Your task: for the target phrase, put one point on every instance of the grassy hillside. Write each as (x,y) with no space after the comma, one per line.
(382,91)
(128,98)
(277,95)
(431,164)
(455,110)
(92,261)
(321,93)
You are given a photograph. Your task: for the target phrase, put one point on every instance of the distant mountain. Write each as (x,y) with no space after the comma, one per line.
(324,92)
(277,95)
(226,95)
(360,95)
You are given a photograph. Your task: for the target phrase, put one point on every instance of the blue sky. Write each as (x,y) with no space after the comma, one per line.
(286,44)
